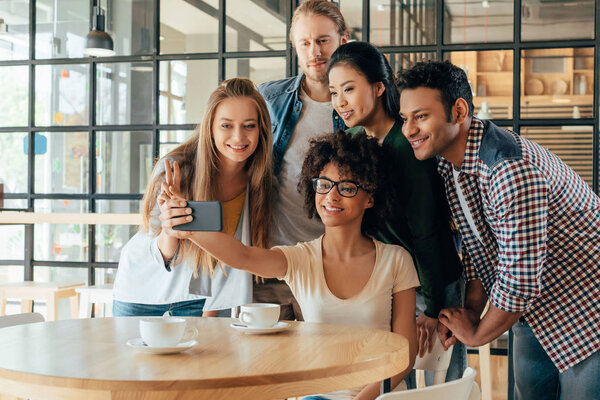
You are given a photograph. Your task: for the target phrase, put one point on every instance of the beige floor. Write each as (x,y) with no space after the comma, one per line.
(499,368)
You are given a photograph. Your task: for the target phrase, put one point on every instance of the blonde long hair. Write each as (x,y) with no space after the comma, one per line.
(199,164)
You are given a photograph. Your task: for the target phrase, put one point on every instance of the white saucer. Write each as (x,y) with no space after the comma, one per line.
(280,326)
(138,344)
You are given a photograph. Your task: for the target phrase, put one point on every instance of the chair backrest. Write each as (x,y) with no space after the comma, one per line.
(20,319)
(436,360)
(459,389)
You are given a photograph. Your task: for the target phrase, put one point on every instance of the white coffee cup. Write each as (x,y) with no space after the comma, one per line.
(165,332)
(259,315)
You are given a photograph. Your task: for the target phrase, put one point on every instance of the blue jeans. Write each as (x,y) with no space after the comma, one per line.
(314,398)
(453,297)
(537,378)
(191,308)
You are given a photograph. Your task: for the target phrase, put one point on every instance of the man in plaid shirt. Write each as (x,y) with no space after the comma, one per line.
(530,230)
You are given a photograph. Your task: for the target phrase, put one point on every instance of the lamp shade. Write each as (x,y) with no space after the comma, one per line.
(98,43)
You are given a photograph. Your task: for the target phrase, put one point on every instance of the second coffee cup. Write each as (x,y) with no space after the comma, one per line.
(259,315)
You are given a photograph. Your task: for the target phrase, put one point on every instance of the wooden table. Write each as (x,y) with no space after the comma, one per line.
(51,292)
(88,358)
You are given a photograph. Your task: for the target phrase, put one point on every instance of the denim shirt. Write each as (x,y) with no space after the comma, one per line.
(284,104)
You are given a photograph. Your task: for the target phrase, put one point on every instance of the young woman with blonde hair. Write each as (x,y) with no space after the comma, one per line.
(228,159)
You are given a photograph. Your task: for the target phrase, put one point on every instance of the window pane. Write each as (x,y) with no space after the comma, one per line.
(110,239)
(178,105)
(490,75)
(557,83)
(557,20)
(189,27)
(61,28)
(61,242)
(258,70)
(61,94)
(105,275)
(14,81)
(9,274)
(64,166)
(256,25)
(352,12)
(171,139)
(478,21)
(401,61)
(124,94)
(572,144)
(123,161)
(129,23)
(406,23)
(19,204)
(12,246)
(14,40)
(13,168)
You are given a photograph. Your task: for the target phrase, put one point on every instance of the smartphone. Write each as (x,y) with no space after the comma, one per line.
(208,216)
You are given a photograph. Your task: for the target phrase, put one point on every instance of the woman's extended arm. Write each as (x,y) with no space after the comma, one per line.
(403,322)
(269,263)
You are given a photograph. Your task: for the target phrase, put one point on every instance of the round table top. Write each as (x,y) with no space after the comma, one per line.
(92,354)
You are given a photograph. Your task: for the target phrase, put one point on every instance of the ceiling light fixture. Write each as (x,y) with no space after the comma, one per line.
(485,4)
(98,43)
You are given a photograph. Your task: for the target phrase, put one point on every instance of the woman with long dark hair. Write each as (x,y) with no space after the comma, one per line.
(365,96)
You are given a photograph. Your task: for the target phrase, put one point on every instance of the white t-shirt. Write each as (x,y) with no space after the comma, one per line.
(290,222)
(394,271)
(463,204)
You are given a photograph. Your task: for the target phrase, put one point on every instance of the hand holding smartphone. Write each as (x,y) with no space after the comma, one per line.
(207,216)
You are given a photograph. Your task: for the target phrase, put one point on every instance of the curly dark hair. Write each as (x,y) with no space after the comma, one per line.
(356,155)
(450,80)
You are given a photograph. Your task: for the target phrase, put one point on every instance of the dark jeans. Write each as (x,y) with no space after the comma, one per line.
(191,308)
(537,378)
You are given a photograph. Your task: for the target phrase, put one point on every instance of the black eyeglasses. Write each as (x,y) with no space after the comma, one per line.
(344,188)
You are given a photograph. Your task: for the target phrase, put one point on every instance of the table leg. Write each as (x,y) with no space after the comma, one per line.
(52,308)
(26,305)
(386,386)
(2,305)
(75,306)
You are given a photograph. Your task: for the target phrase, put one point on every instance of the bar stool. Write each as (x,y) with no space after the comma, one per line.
(95,295)
(51,292)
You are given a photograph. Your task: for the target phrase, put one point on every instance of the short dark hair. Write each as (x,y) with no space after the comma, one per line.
(450,80)
(369,61)
(359,156)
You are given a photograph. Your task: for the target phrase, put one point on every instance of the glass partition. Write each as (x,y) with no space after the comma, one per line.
(189,26)
(61,162)
(255,25)
(14,29)
(258,70)
(557,83)
(490,75)
(62,94)
(402,23)
(15,92)
(557,20)
(478,21)
(185,87)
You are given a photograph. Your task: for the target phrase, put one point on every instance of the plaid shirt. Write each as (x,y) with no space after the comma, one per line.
(539,224)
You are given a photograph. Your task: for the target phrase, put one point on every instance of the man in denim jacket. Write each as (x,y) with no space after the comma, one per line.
(300,109)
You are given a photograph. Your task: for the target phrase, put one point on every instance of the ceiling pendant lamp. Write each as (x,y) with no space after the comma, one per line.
(98,43)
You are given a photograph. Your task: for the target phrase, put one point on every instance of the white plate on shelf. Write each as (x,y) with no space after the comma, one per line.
(139,345)
(278,327)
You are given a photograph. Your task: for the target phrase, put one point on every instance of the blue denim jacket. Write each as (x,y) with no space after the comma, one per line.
(284,106)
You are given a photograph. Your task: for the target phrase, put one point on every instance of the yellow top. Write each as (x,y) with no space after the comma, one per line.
(232,210)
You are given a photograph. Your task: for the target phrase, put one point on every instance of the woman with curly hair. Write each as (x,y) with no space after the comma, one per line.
(344,276)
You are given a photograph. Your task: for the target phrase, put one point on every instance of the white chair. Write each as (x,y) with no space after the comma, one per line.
(464,388)
(20,319)
(437,361)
